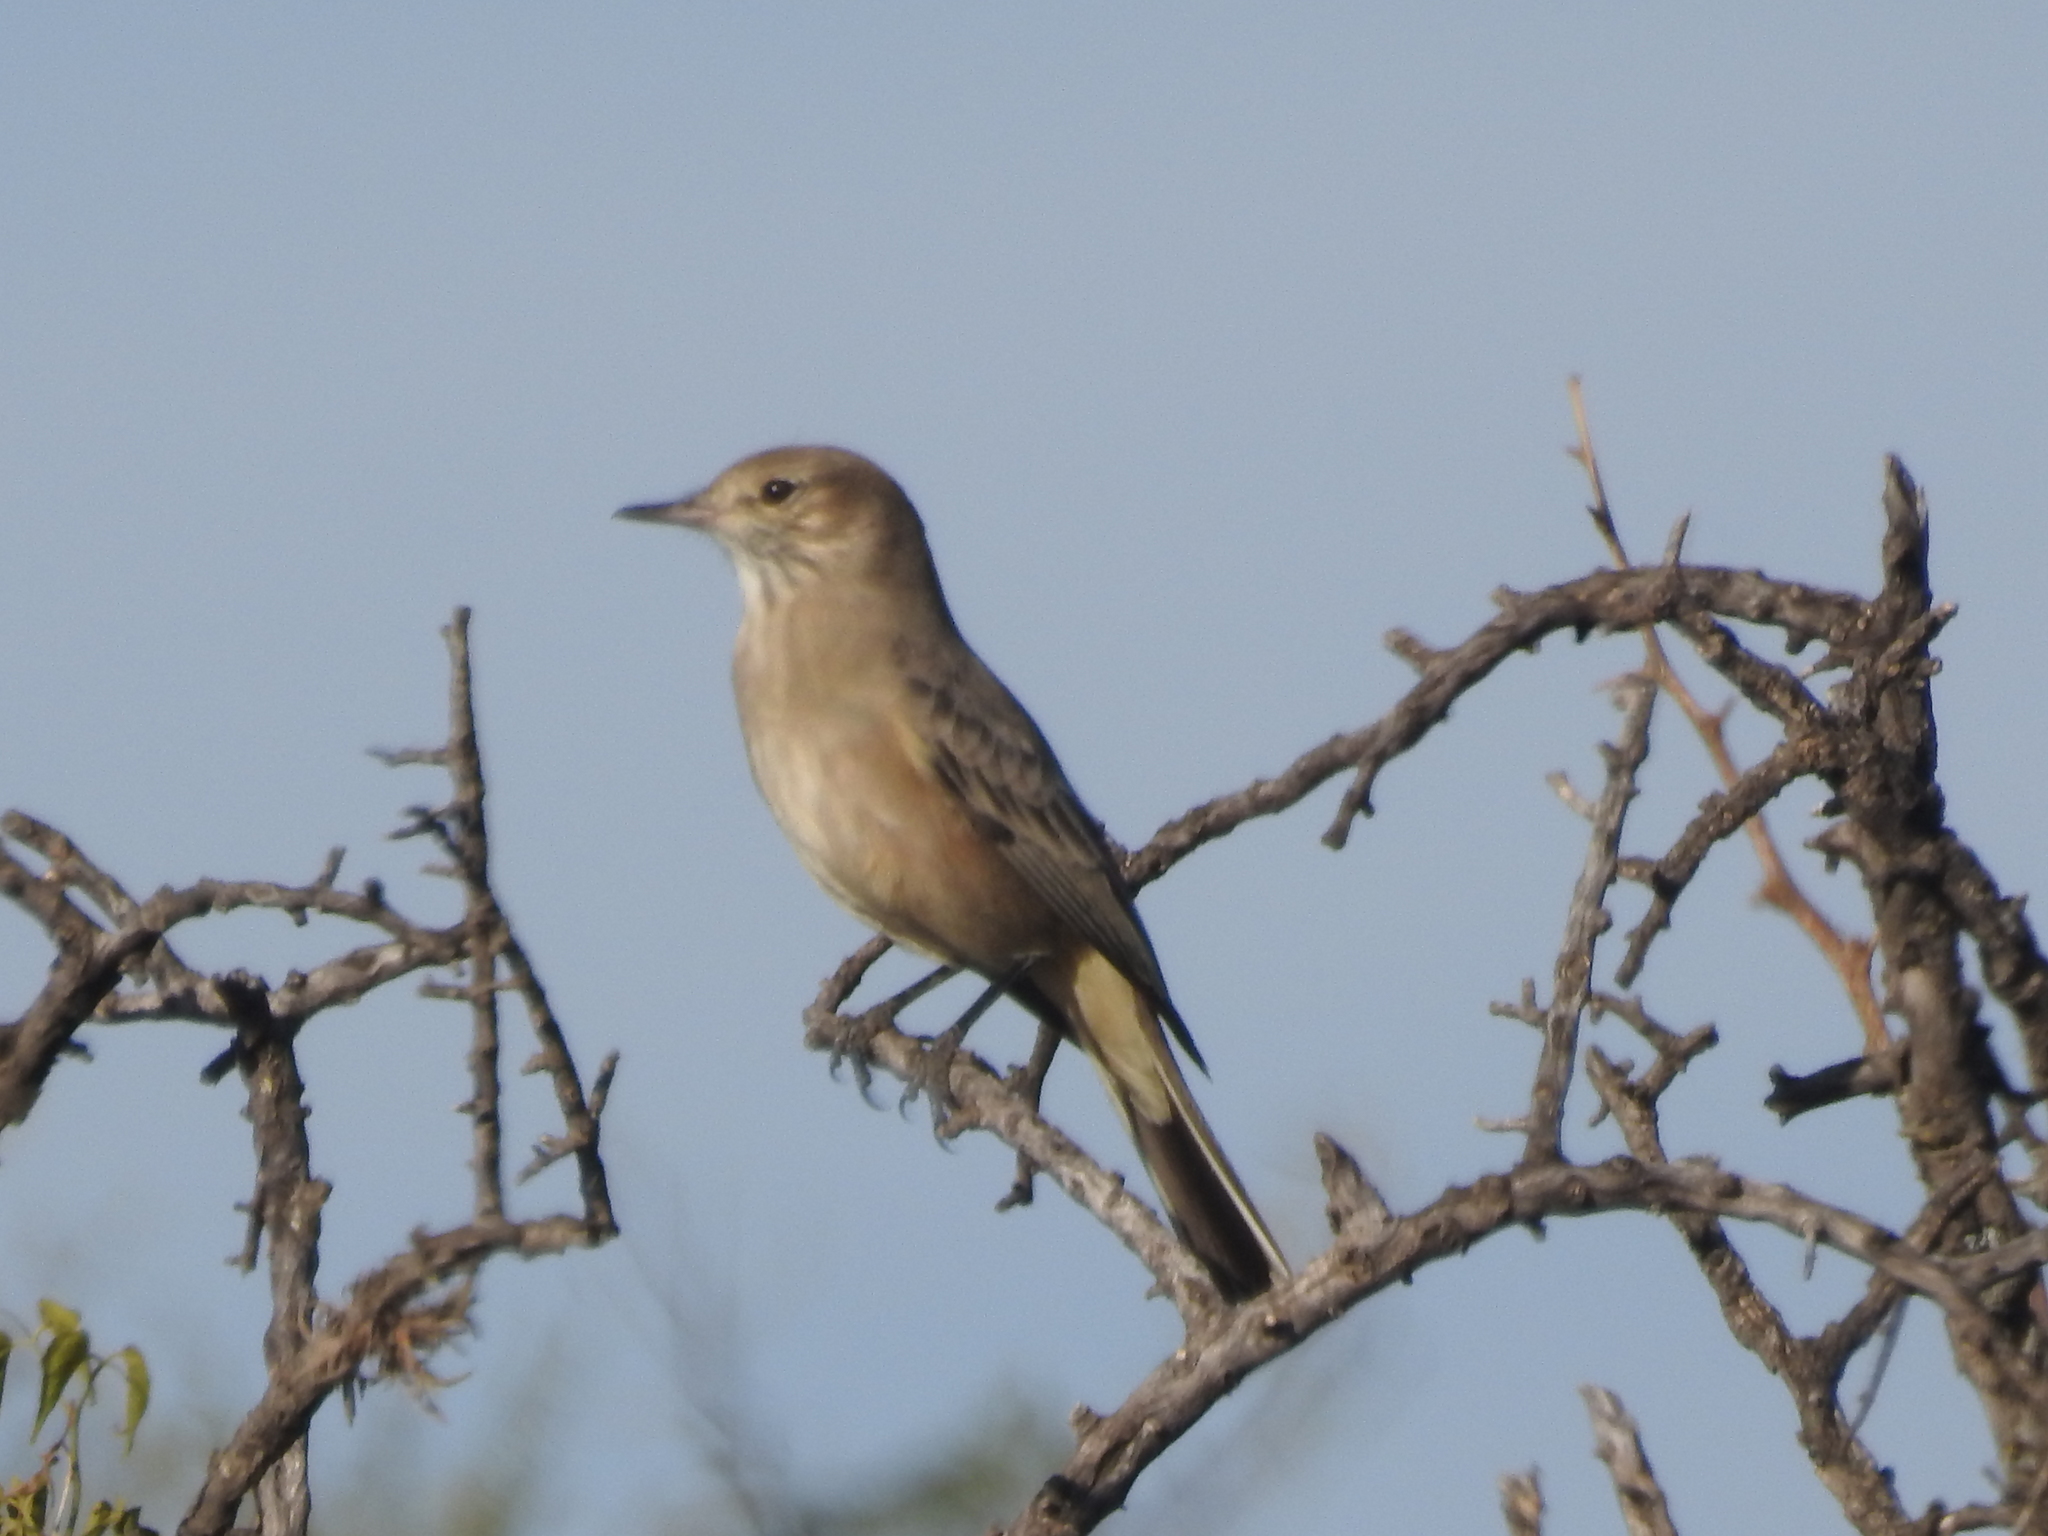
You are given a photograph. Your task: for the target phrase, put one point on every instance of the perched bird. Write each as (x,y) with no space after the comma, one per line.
(923,798)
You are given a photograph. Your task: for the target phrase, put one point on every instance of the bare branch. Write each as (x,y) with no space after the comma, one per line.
(1521,1503)
(1793,1094)
(485,931)
(400,1311)
(89,965)
(357,1332)
(287,1206)
(1114,1448)
(1674,1051)
(1810,1370)
(2008,953)
(1605,602)
(1355,1206)
(1618,1442)
(1850,958)
(982,1100)
(1721,816)
(1585,920)
(68,866)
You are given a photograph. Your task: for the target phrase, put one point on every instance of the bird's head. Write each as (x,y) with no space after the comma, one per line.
(791,515)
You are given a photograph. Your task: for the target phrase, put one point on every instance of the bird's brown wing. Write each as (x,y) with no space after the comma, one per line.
(988,752)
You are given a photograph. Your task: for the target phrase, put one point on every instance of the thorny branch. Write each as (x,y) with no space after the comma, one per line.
(1606,602)
(1374,1249)
(1869,740)
(982,1100)
(1850,958)
(1585,920)
(120,966)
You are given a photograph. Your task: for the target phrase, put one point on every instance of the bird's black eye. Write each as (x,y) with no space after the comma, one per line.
(776,492)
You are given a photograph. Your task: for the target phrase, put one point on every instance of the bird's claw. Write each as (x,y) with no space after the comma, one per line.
(852,1040)
(932,1077)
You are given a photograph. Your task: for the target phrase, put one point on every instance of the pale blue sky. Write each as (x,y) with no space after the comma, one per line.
(1213,342)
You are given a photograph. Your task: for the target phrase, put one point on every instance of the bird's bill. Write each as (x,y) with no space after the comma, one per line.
(684,514)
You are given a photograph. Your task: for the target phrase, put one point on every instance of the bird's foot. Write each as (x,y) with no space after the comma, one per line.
(933,1078)
(934,1071)
(852,1040)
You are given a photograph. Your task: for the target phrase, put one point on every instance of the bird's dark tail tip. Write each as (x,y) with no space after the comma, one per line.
(1209,1209)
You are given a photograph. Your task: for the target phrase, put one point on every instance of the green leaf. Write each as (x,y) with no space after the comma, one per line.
(115,1520)
(15,1501)
(67,1353)
(137,1371)
(57,1317)
(25,1506)
(6,1349)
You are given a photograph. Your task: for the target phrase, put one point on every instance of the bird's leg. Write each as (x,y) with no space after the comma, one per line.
(1028,1081)
(935,1065)
(850,1039)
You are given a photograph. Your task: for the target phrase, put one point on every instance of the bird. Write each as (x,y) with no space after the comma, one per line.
(923,798)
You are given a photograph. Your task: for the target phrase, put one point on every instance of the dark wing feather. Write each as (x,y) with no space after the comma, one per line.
(988,752)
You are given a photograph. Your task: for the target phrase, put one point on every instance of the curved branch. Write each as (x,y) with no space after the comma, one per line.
(88,967)
(983,1100)
(1722,815)
(1603,602)
(1114,1448)
(336,1349)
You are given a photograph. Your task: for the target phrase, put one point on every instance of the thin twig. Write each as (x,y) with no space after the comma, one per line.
(1585,920)
(1848,957)
(1721,816)
(1521,1503)
(1619,1443)
(483,925)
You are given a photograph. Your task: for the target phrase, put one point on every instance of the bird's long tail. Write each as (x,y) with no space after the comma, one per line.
(1201,1191)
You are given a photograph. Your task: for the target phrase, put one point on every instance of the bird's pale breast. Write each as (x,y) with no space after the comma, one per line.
(834,751)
